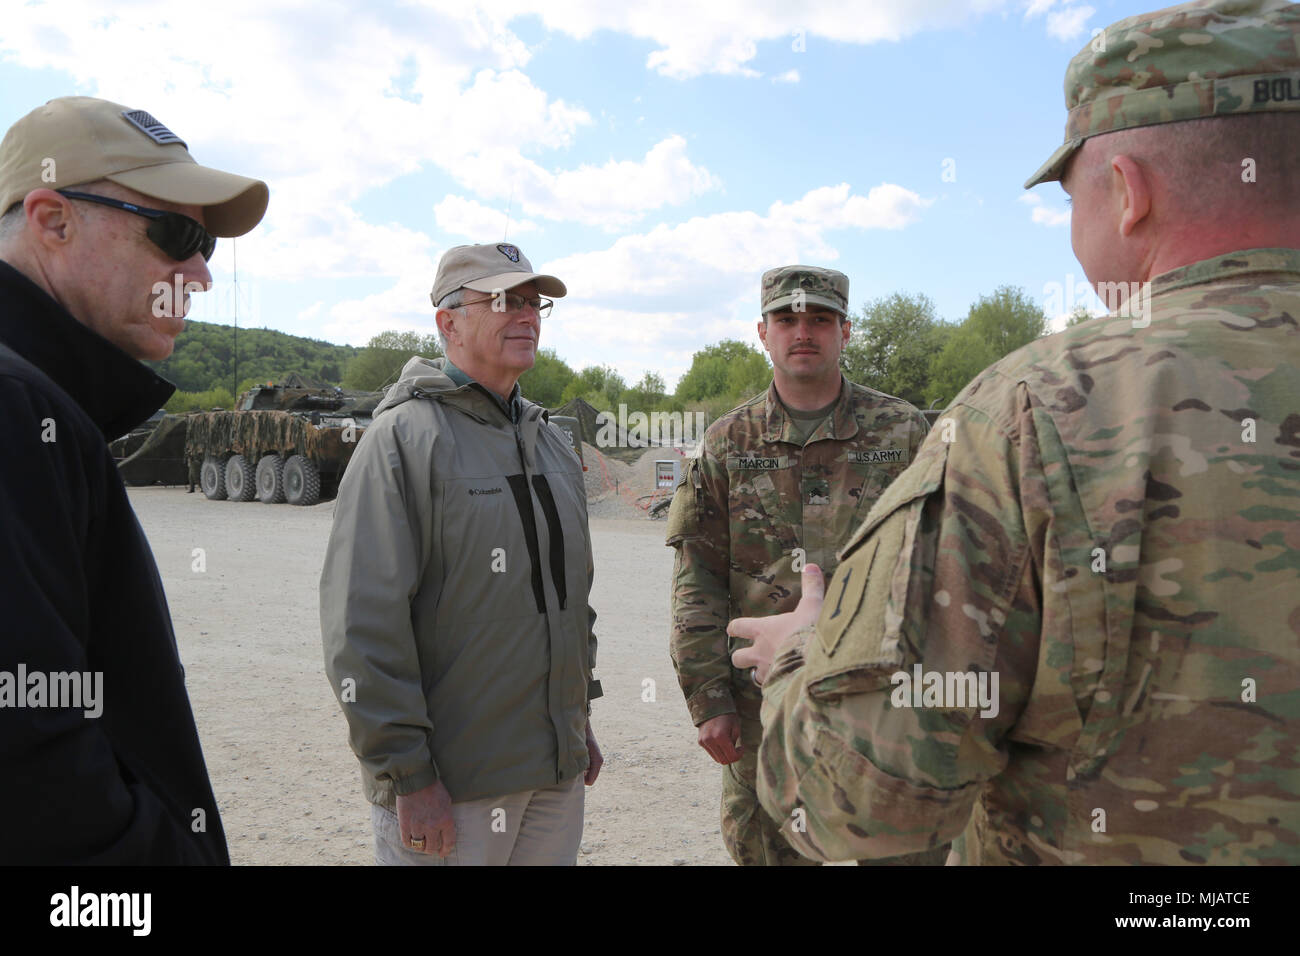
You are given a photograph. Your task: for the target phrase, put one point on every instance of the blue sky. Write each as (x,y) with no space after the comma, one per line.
(657,159)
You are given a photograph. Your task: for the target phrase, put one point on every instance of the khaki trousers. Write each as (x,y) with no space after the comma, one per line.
(534,828)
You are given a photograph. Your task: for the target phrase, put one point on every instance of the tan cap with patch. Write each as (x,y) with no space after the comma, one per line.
(487,268)
(80,139)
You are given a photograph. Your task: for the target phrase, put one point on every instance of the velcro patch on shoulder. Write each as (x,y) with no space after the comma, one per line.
(684,512)
(857,598)
(860,631)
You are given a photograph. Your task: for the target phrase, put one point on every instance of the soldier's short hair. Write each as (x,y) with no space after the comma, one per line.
(11,223)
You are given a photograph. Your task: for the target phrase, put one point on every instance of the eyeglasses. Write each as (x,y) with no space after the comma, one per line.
(516,303)
(178,236)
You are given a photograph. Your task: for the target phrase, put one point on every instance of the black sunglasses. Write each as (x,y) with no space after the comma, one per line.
(178,236)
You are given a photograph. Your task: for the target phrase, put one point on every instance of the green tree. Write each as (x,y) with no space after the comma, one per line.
(996,326)
(205,401)
(725,369)
(204,357)
(894,344)
(380,362)
(747,376)
(1079,315)
(599,386)
(647,394)
(546,381)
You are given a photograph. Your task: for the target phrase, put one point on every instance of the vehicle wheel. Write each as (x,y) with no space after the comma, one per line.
(240,485)
(212,478)
(301,481)
(270,479)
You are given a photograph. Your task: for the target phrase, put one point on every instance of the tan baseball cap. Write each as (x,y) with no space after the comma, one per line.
(80,139)
(486,268)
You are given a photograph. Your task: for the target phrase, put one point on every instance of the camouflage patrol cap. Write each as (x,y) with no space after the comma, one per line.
(1207,58)
(803,287)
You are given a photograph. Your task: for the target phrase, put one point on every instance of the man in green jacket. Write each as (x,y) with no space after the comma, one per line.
(453,599)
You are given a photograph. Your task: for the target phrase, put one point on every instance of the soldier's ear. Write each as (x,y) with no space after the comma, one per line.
(1130,182)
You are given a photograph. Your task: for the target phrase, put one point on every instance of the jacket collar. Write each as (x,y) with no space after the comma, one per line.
(512,406)
(843,424)
(1228,266)
(115,390)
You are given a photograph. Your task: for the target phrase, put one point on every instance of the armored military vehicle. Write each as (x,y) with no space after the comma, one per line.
(126,446)
(287,442)
(153,453)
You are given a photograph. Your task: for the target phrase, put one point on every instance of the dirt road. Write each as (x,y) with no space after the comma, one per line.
(242,579)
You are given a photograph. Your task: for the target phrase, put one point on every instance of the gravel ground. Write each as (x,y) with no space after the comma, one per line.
(276,742)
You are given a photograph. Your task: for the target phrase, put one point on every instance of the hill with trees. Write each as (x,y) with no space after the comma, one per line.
(209,356)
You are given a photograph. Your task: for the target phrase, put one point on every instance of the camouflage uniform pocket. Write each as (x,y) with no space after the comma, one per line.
(763,522)
(688,504)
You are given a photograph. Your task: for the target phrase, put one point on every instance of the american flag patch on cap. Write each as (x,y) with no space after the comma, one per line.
(155,130)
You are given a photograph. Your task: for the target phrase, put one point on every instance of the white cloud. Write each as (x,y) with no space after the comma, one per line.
(886,206)
(332,107)
(465,217)
(403,306)
(723,36)
(654,296)
(677,286)
(1064,22)
(613,194)
(1069,23)
(304,103)
(693,257)
(1044,215)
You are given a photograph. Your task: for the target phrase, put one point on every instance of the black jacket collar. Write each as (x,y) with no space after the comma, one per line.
(115,390)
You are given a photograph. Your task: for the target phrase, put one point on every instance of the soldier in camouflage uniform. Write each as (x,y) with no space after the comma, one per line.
(779,481)
(1106,520)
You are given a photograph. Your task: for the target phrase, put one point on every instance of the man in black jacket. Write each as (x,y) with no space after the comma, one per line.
(106,225)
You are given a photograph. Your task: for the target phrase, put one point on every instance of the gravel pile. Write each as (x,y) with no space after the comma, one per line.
(618,490)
